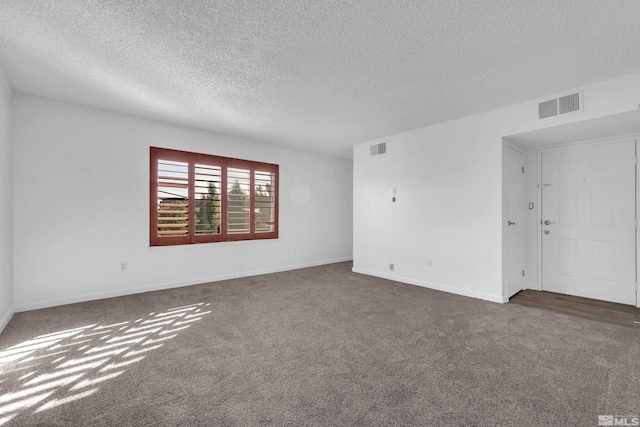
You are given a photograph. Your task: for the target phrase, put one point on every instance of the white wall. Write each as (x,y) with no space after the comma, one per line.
(81,207)
(449,202)
(6,217)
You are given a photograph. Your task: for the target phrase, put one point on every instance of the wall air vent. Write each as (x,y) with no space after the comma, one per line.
(378,148)
(548,108)
(569,103)
(561,105)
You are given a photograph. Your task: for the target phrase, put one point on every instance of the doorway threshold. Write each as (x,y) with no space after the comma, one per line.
(584,308)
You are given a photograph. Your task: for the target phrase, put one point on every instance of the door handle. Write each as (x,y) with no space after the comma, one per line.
(509,223)
(547,222)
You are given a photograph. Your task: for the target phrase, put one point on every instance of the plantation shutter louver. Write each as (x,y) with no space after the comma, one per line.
(208,188)
(171,201)
(238,201)
(265,202)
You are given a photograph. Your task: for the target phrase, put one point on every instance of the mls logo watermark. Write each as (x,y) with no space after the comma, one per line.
(618,420)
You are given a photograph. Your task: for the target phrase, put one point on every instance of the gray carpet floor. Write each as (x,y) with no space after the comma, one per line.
(316,346)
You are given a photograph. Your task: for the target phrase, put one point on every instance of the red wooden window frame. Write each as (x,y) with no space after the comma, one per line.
(193,159)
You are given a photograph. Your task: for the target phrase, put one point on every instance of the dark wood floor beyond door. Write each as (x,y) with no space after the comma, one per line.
(601,311)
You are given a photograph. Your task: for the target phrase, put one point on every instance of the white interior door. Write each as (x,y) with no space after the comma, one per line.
(514,218)
(589,221)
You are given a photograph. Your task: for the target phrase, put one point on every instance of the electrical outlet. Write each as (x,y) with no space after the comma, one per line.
(392,267)
(430,262)
(123,266)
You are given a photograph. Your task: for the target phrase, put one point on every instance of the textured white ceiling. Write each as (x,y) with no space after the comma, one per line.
(316,74)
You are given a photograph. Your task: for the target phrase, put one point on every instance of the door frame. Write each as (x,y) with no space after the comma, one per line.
(505,284)
(599,141)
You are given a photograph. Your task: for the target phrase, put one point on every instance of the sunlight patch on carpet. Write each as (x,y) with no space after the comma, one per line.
(68,365)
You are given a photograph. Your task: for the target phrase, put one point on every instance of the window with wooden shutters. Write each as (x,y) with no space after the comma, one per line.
(199,198)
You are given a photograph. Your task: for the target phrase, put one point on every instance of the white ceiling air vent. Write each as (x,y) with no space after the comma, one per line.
(565,104)
(378,148)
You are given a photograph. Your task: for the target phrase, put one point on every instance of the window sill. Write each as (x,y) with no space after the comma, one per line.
(213,244)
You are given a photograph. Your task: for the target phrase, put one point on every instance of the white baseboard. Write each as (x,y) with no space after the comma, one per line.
(435,286)
(4,319)
(123,292)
